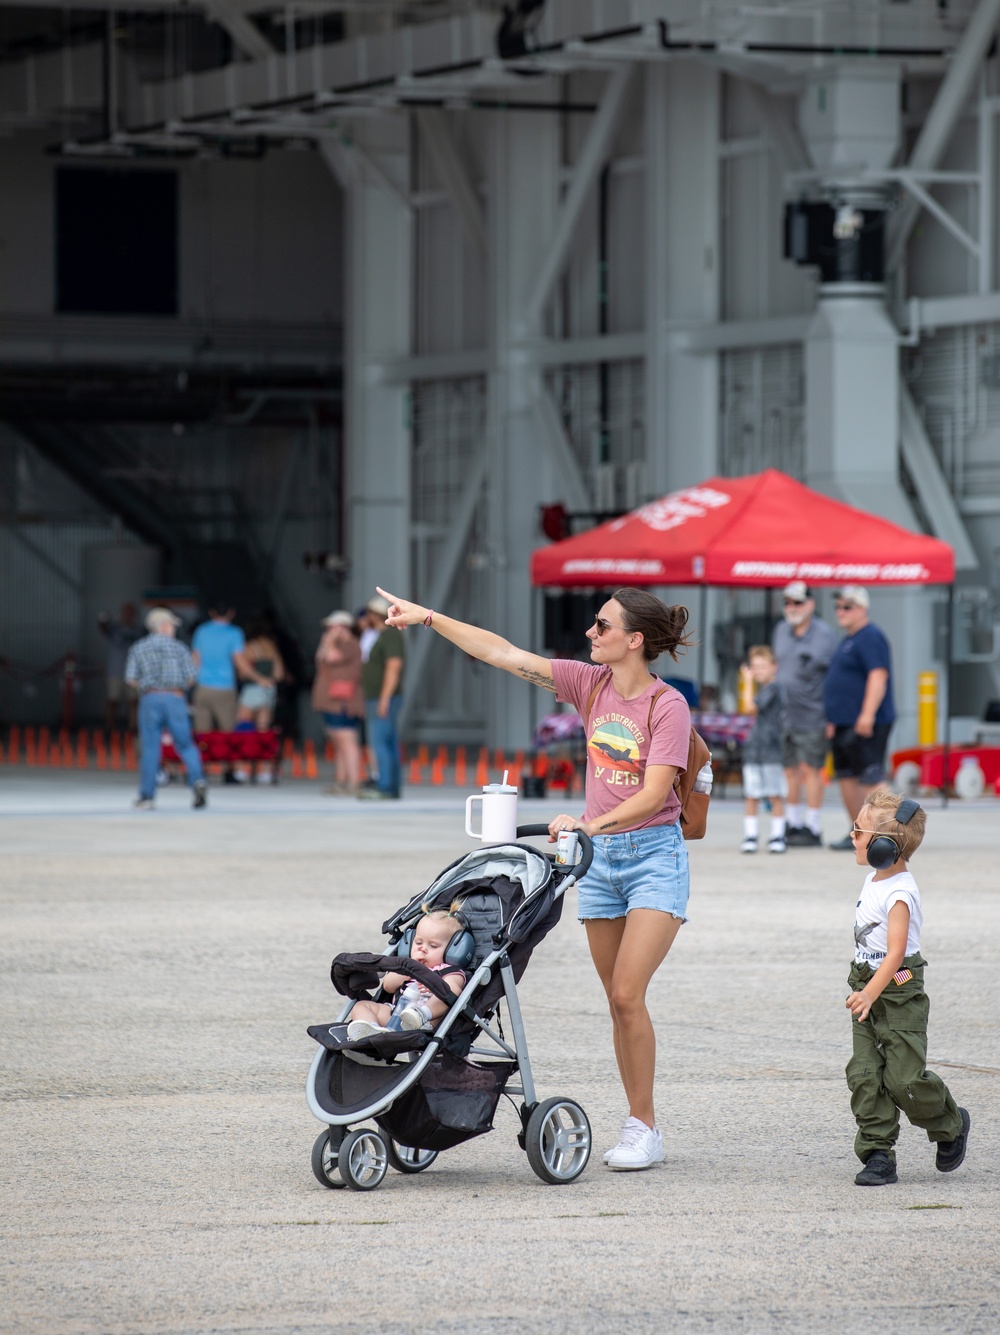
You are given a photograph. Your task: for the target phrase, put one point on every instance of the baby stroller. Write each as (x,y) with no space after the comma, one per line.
(429,1090)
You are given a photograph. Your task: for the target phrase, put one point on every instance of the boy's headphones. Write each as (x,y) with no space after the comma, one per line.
(459,950)
(883,850)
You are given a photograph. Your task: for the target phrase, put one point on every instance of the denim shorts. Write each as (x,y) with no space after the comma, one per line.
(641,869)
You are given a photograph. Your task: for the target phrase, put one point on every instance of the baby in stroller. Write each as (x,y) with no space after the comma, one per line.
(413,1006)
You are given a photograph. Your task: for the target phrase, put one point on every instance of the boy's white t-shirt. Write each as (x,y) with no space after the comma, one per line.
(871,917)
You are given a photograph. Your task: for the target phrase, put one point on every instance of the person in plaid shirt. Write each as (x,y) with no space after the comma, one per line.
(161,669)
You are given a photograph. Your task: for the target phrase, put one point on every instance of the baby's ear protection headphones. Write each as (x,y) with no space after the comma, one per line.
(459,951)
(883,850)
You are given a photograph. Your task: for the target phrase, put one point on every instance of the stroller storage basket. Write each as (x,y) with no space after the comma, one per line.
(454,1100)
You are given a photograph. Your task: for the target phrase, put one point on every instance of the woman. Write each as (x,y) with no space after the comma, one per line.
(634,896)
(336,695)
(257,696)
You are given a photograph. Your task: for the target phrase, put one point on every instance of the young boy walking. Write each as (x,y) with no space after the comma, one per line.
(763,751)
(887,1071)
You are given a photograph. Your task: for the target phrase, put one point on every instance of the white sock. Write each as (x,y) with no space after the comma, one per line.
(794,815)
(749,827)
(777,827)
(814,819)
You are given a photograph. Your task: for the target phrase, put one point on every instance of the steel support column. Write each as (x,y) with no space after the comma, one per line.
(378,267)
(682,270)
(523,174)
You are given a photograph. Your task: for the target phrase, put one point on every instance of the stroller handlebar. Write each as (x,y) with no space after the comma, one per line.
(586,846)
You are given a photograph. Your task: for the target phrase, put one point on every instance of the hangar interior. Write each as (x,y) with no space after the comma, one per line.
(297,299)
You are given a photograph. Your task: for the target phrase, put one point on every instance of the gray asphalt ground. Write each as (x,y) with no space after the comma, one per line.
(159,972)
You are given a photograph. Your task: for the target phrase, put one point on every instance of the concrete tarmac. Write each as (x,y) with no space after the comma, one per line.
(159,972)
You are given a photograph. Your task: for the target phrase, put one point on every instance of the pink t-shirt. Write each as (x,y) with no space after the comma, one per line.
(622,739)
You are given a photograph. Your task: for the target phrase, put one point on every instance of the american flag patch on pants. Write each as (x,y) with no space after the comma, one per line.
(902,977)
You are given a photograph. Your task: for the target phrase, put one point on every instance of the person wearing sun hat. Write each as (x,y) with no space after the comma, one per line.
(336,697)
(804,646)
(859,704)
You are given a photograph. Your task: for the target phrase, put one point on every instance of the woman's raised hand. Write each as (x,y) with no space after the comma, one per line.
(401,613)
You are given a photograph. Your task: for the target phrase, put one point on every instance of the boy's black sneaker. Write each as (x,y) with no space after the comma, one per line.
(879,1171)
(950,1153)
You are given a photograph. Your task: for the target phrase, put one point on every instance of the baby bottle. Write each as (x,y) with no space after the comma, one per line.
(410,996)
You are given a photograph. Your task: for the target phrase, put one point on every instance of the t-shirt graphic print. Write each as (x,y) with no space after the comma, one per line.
(613,745)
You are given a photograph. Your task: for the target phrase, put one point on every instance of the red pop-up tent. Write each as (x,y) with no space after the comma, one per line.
(756,531)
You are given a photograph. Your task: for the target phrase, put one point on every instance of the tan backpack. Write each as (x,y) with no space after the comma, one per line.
(694,806)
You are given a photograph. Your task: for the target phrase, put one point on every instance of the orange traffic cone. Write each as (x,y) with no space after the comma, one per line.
(311,767)
(438,768)
(43,746)
(81,750)
(500,761)
(30,754)
(415,772)
(461,774)
(482,769)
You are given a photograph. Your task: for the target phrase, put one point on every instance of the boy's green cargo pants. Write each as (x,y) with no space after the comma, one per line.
(888,1070)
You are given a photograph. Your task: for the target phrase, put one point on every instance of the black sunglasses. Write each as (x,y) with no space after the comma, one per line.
(600,625)
(795,602)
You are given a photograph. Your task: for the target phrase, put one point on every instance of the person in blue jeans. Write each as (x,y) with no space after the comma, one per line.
(382,684)
(162,670)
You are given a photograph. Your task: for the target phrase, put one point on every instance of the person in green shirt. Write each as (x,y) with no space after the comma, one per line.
(382,684)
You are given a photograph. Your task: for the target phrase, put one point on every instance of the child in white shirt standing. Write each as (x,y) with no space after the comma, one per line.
(888,1071)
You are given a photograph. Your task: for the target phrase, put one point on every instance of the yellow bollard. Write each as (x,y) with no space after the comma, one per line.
(927,708)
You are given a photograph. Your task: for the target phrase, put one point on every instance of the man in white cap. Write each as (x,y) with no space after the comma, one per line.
(804,646)
(859,705)
(161,670)
(382,684)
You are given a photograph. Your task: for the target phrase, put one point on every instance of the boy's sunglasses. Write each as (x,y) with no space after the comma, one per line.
(600,625)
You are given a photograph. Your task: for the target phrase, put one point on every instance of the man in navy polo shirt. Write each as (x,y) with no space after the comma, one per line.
(857,694)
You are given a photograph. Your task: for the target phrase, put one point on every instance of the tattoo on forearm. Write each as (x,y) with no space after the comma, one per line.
(537,679)
(608,825)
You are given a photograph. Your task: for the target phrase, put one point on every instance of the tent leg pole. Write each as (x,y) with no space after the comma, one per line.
(703,631)
(948,650)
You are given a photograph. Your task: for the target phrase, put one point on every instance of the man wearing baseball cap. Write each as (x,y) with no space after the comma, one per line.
(859,705)
(161,670)
(804,646)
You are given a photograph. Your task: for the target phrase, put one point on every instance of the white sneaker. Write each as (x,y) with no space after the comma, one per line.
(776,846)
(640,1147)
(364,1029)
(749,845)
(608,1153)
(415,1017)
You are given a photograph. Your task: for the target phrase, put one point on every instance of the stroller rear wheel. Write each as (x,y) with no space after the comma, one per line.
(405,1159)
(557,1140)
(363,1159)
(325,1162)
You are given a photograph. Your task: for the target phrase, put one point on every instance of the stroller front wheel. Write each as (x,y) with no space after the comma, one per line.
(557,1140)
(363,1159)
(405,1159)
(325,1162)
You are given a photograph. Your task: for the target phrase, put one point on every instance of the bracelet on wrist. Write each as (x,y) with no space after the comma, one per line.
(429,617)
